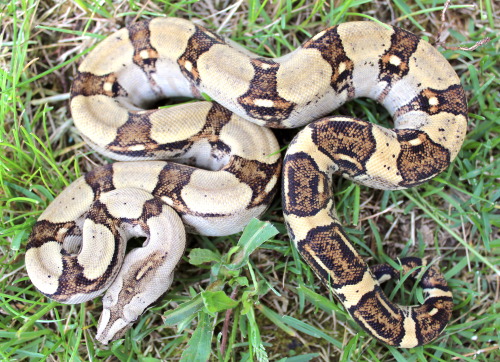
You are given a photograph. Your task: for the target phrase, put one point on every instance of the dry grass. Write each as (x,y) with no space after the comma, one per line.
(453,218)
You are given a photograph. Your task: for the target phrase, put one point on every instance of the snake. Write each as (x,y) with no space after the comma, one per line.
(209,167)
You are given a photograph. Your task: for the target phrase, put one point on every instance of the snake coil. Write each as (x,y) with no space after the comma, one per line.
(227,168)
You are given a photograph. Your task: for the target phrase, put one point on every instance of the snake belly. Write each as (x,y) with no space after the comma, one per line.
(237,166)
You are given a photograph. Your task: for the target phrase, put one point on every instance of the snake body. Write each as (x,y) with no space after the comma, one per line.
(78,244)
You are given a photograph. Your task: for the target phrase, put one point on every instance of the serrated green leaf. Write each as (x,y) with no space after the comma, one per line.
(199,256)
(241,281)
(248,301)
(217,301)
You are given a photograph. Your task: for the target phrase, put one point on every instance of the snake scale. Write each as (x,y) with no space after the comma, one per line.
(227,166)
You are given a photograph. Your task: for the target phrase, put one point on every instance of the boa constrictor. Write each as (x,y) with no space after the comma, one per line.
(77,247)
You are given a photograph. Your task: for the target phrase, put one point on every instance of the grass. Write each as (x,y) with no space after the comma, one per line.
(276,307)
